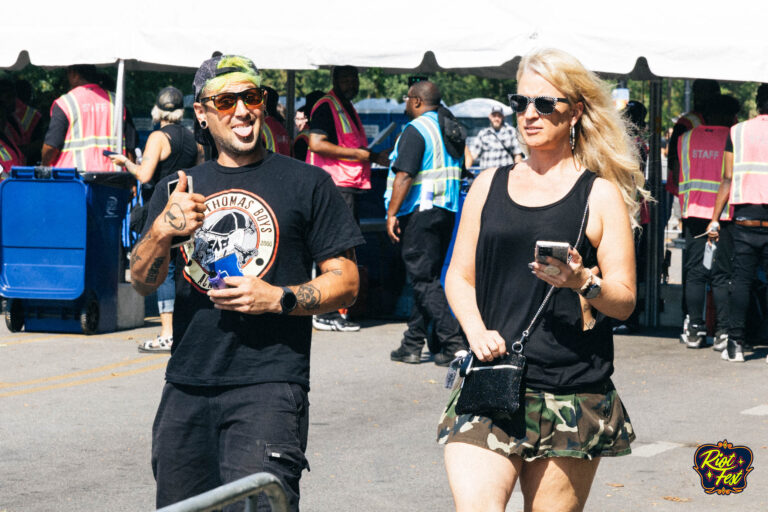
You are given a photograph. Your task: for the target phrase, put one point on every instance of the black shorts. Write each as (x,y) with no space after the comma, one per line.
(204,437)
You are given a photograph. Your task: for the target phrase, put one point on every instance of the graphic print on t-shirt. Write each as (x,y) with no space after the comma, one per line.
(239,236)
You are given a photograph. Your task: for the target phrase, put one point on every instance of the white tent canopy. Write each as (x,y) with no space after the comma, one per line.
(486,38)
(478,107)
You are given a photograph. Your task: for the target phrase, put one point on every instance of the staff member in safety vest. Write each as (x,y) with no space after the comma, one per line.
(273,132)
(700,153)
(703,92)
(422,199)
(745,187)
(337,143)
(81,127)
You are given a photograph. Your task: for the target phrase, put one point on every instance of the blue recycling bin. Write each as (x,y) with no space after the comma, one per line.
(60,248)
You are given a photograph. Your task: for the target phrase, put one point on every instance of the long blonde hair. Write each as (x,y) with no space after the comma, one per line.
(603,141)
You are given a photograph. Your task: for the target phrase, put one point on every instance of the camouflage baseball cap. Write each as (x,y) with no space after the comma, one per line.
(219,65)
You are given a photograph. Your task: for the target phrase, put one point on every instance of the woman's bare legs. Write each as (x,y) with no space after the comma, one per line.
(481,480)
(558,484)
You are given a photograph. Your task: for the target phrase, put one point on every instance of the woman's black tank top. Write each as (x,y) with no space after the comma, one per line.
(183,156)
(561,357)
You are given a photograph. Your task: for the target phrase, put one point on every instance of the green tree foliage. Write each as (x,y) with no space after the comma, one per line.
(143,86)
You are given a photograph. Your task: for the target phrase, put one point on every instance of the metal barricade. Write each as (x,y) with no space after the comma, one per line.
(247,489)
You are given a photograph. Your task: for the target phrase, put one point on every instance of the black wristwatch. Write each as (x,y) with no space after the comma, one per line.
(591,288)
(288,300)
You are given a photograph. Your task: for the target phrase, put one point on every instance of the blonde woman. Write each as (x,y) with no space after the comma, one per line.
(570,413)
(168,149)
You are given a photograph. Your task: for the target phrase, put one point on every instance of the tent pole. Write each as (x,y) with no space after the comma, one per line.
(655,229)
(117,117)
(290,102)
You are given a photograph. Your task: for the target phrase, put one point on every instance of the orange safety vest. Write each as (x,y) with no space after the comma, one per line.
(27,117)
(689,121)
(9,157)
(345,173)
(750,161)
(700,153)
(275,136)
(89,109)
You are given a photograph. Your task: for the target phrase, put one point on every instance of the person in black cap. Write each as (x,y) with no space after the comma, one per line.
(168,149)
(494,146)
(235,399)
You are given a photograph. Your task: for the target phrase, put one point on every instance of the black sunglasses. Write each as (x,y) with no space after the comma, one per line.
(252,98)
(544,105)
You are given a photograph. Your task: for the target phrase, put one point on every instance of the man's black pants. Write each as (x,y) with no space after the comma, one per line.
(425,237)
(750,247)
(697,276)
(204,437)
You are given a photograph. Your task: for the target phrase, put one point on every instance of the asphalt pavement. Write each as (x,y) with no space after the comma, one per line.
(76,413)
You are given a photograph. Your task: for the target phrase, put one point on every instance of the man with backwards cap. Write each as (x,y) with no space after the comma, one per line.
(235,398)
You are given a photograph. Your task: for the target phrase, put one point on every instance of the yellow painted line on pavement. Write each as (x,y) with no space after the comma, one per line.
(84,372)
(86,381)
(33,340)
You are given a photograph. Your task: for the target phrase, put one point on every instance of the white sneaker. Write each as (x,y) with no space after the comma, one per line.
(721,342)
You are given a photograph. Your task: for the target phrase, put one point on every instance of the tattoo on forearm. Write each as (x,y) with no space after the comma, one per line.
(308,297)
(154,270)
(336,272)
(175,217)
(135,258)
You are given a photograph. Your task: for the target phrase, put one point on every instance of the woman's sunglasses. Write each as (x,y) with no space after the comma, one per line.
(544,105)
(252,98)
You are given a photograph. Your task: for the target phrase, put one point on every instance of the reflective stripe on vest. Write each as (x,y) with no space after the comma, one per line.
(750,161)
(268,138)
(345,172)
(700,152)
(439,171)
(88,135)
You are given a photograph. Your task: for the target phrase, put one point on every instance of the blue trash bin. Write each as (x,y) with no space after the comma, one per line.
(60,248)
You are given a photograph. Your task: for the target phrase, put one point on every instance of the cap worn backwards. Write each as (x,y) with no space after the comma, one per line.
(218,70)
(170,99)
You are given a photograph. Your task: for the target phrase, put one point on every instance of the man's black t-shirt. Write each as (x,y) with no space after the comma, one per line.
(271,219)
(410,151)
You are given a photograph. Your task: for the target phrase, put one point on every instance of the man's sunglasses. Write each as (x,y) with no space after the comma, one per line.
(544,105)
(252,98)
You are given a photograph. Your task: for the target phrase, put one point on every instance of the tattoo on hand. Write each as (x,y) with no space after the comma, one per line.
(308,297)
(175,217)
(154,270)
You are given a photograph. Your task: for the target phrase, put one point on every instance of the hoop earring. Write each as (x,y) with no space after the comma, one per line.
(204,124)
(573,137)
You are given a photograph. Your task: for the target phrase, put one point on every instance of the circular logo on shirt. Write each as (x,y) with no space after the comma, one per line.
(239,237)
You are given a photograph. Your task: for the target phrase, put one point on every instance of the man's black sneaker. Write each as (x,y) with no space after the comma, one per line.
(443,359)
(336,323)
(694,336)
(734,353)
(403,356)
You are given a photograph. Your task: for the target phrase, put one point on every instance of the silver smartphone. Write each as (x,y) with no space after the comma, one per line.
(557,250)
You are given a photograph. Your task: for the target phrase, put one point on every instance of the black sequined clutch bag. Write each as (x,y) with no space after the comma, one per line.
(490,387)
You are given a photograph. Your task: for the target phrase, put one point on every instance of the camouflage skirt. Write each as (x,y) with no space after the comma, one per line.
(582,425)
